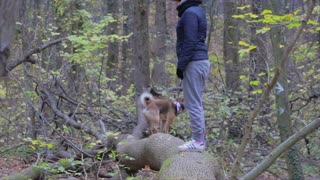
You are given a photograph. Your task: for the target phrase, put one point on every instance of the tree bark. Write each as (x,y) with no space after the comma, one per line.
(28,85)
(212,12)
(113,45)
(141,57)
(158,73)
(281,95)
(8,12)
(230,46)
(141,45)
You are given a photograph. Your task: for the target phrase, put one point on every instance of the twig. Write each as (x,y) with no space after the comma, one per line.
(26,57)
(307,101)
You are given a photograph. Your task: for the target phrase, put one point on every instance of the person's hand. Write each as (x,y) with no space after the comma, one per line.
(179,73)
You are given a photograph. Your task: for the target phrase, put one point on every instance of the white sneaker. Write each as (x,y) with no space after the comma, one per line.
(192,146)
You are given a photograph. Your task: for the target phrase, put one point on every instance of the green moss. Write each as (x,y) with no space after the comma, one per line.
(165,164)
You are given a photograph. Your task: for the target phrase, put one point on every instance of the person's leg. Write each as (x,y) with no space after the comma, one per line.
(194,79)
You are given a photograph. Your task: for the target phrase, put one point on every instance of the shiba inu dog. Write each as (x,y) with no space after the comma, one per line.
(160,112)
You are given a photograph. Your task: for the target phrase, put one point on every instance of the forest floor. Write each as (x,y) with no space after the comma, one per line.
(11,165)
(14,165)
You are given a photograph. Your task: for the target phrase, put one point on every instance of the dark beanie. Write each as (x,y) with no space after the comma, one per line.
(197,1)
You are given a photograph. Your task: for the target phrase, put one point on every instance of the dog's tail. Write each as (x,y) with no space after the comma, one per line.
(145,98)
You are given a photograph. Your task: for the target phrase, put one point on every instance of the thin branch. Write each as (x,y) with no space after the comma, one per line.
(307,101)
(266,93)
(284,146)
(52,103)
(26,57)
(46,121)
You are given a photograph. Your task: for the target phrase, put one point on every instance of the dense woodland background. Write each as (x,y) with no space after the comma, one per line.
(71,71)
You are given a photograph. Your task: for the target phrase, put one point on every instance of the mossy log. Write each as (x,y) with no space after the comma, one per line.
(190,166)
(160,152)
(152,151)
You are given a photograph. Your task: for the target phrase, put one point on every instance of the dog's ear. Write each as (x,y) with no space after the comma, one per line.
(155,93)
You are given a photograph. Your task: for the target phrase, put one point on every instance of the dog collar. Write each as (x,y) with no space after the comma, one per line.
(178,107)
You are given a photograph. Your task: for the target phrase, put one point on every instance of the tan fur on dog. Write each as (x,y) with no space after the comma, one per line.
(160,111)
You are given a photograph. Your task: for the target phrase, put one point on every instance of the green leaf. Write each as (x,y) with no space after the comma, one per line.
(243,52)
(266,11)
(262,74)
(312,22)
(50,146)
(293,25)
(287,17)
(263,30)
(242,77)
(297,12)
(253,16)
(240,16)
(61,169)
(254,83)
(244,7)
(258,91)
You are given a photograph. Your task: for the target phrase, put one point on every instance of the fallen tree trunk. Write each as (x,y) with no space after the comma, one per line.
(160,152)
(152,151)
(190,166)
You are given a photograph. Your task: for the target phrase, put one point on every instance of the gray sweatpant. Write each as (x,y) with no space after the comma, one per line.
(193,83)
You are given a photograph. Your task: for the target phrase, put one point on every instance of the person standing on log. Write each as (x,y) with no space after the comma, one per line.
(193,67)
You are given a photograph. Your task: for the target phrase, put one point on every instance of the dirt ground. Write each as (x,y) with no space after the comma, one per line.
(11,165)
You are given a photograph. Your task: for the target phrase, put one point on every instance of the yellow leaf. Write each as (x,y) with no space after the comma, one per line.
(243,43)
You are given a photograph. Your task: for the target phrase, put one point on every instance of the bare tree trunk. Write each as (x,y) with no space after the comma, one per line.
(8,12)
(126,47)
(141,56)
(318,32)
(158,73)
(212,12)
(26,45)
(282,100)
(113,45)
(230,46)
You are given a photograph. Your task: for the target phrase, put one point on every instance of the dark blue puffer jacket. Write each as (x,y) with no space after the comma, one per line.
(191,36)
